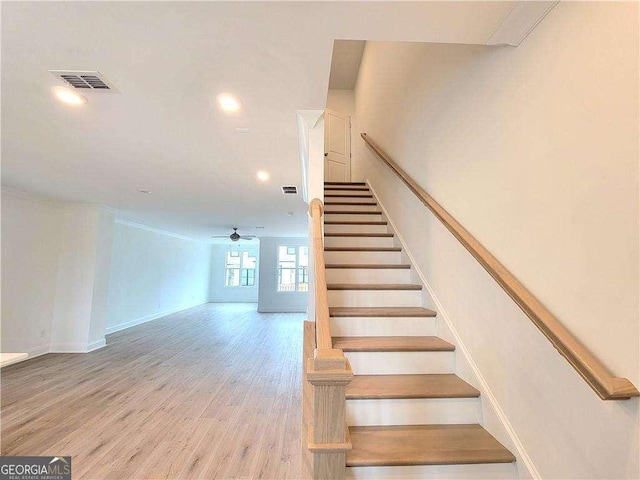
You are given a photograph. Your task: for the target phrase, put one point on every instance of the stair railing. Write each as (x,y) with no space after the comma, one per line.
(592,370)
(329,372)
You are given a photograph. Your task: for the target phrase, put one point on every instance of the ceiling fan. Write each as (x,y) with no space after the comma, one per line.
(235,236)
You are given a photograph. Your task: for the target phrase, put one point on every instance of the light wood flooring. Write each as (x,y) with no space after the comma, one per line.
(210,392)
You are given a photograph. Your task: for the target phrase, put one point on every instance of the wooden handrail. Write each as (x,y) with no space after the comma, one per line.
(599,378)
(323,327)
(329,372)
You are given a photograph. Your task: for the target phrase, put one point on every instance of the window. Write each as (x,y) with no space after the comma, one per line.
(293,266)
(240,269)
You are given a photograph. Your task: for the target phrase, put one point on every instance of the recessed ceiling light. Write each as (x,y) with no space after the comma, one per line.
(258,227)
(144,191)
(243,130)
(68,96)
(262,176)
(228,102)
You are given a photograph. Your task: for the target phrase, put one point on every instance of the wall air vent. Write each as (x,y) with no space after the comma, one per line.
(87,80)
(290,190)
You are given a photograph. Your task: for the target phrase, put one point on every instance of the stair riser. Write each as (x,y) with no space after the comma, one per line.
(350,198)
(413,411)
(483,471)
(348,191)
(382,326)
(357,208)
(352,217)
(368,275)
(354,257)
(355,228)
(375,298)
(399,363)
(358,241)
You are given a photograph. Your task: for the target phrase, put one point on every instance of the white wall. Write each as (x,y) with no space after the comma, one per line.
(535,151)
(154,274)
(269,299)
(31,238)
(341,101)
(220,293)
(55,270)
(83,275)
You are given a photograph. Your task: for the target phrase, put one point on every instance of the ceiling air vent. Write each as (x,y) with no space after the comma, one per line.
(290,190)
(89,80)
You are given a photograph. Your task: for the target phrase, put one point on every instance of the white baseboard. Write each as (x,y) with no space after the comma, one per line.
(97,345)
(37,351)
(148,318)
(77,347)
(485,390)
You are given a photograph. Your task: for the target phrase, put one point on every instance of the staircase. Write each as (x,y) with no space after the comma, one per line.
(409,415)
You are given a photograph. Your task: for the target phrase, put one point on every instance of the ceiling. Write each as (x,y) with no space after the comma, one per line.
(345,64)
(161,130)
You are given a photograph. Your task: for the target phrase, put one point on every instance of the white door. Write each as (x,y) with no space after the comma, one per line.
(337,147)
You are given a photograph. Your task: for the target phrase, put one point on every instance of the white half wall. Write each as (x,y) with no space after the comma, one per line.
(535,151)
(269,299)
(154,274)
(222,294)
(31,239)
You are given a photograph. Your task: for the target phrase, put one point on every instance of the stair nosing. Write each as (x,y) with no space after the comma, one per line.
(351,203)
(356,189)
(375,286)
(346,183)
(362,249)
(443,345)
(381,312)
(350,212)
(340,195)
(469,390)
(487,450)
(360,235)
(369,266)
(338,222)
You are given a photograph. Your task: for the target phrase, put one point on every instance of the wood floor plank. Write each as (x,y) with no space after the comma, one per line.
(210,392)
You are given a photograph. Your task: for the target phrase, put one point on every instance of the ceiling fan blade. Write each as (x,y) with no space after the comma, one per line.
(248,237)
(219,236)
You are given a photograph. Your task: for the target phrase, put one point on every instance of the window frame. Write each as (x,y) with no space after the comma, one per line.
(296,268)
(240,268)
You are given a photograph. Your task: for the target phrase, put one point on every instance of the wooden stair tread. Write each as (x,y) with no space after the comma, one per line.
(362,249)
(359,235)
(334,222)
(341,195)
(352,189)
(380,312)
(351,203)
(409,386)
(392,344)
(373,286)
(369,265)
(350,212)
(345,183)
(398,445)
